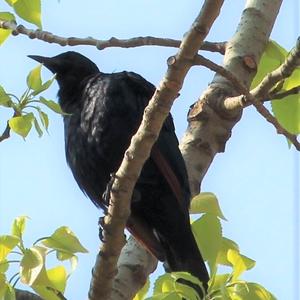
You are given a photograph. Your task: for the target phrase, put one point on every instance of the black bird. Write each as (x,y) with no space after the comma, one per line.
(104,111)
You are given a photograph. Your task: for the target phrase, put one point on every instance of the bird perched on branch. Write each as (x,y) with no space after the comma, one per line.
(103,113)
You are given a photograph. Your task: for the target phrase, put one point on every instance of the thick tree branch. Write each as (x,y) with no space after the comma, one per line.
(134,266)
(210,124)
(140,147)
(102,44)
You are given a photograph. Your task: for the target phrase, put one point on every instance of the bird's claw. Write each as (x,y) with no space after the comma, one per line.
(106,194)
(101,229)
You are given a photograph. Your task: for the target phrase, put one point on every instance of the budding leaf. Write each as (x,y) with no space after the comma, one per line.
(34,80)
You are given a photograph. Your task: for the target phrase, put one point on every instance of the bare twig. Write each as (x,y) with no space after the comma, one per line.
(271,119)
(237,85)
(102,44)
(6,133)
(140,147)
(281,95)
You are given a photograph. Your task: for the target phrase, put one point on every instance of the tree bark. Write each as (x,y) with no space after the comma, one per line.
(210,124)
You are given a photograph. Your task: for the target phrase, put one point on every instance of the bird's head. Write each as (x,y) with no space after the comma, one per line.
(71,67)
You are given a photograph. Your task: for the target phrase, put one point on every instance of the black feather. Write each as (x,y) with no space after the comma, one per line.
(105,110)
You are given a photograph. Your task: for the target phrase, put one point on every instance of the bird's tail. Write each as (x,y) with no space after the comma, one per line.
(183,254)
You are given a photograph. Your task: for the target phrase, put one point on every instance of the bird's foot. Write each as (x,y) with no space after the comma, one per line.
(106,194)
(101,229)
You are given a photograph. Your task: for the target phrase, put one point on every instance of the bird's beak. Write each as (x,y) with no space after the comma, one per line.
(48,62)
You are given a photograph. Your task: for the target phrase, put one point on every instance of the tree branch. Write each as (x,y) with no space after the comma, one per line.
(263,91)
(278,96)
(102,44)
(140,147)
(210,124)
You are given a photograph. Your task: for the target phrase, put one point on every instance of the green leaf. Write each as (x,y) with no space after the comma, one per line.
(5,33)
(52,105)
(271,59)
(206,203)
(32,264)
(249,291)
(183,289)
(21,124)
(44,119)
(143,291)
(18,226)
(68,256)
(166,296)
(11,2)
(58,278)
(45,293)
(227,245)
(209,244)
(219,282)
(275,51)
(63,239)
(292,81)
(164,284)
(240,263)
(34,80)
(186,292)
(186,276)
(43,86)
(7,292)
(38,128)
(287,112)
(4,265)
(10,293)
(7,244)
(2,285)
(29,10)
(4,98)
(60,255)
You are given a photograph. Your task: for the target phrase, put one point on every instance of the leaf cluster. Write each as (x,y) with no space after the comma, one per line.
(49,283)
(218,251)
(27,109)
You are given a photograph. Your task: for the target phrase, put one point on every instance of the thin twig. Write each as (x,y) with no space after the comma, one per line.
(6,133)
(237,85)
(102,44)
(278,96)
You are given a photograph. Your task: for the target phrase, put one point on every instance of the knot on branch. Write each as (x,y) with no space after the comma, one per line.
(250,62)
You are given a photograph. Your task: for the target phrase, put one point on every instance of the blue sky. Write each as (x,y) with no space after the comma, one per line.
(254,179)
